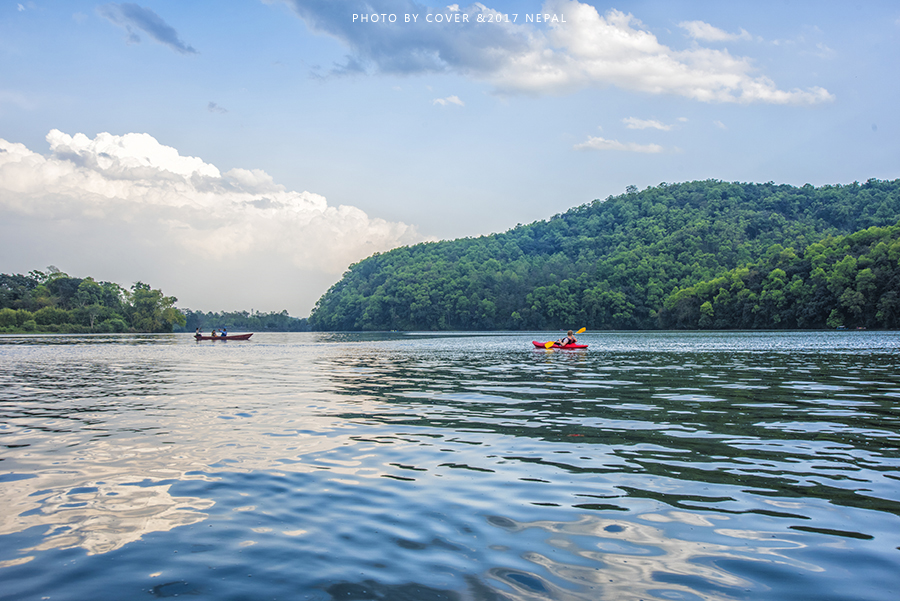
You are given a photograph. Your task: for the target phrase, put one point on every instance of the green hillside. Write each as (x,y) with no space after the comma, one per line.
(610,264)
(849,281)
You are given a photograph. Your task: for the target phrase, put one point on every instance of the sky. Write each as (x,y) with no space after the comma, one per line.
(242,155)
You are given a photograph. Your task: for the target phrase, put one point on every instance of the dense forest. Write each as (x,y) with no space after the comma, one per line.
(843,281)
(696,254)
(52,301)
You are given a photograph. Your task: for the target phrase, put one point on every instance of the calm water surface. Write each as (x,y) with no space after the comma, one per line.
(689,466)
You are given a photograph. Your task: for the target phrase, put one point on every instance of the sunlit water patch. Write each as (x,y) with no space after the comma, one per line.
(466,466)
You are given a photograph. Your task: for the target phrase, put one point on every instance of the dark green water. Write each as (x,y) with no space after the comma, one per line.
(688,466)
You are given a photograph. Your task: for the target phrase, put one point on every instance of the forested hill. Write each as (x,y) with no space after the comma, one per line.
(610,264)
(843,281)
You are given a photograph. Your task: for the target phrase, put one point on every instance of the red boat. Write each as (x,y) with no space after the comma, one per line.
(229,337)
(554,345)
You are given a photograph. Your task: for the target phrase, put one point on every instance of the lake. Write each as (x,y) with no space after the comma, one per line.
(456,467)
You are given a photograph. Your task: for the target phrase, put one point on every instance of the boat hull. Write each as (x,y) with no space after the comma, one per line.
(229,337)
(568,346)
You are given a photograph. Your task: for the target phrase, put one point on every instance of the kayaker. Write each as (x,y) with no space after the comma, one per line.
(215,334)
(567,340)
(197,334)
(224,332)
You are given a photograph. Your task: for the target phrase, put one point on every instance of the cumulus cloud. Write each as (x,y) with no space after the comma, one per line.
(186,211)
(700,30)
(588,49)
(635,123)
(604,144)
(132,17)
(449,100)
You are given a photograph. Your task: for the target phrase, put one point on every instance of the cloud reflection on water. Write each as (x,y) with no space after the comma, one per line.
(100,516)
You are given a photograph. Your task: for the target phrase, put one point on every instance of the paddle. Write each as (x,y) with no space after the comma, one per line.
(552,342)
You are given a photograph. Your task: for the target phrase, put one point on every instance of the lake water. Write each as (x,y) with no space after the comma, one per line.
(671,466)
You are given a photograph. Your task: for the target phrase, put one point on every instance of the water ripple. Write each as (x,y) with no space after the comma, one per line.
(391,466)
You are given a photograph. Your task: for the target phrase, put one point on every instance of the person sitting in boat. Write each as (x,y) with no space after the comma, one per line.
(197,334)
(224,332)
(215,334)
(567,339)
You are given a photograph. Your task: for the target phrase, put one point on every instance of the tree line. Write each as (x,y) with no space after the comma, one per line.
(253,321)
(632,262)
(52,301)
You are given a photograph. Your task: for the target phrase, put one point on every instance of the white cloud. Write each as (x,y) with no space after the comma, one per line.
(613,49)
(548,58)
(700,30)
(823,51)
(132,156)
(719,124)
(604,144)
(134,188)
(635,123)
(449,100)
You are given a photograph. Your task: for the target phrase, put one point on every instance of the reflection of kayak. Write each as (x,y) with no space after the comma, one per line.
(568,346)
(229,337)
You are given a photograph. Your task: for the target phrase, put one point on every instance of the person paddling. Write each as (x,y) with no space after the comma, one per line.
(567,339)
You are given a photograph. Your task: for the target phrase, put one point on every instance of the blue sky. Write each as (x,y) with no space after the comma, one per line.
(243,154)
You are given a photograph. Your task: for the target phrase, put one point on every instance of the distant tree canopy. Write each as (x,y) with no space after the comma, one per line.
(244,321)
(53,301)
(645,260)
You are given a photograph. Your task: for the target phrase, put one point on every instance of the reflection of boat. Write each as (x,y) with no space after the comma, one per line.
(229,337)
(568,346)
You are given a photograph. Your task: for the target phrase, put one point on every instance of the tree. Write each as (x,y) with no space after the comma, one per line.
(151,311)
(835,319)
(707,315)
(89,292)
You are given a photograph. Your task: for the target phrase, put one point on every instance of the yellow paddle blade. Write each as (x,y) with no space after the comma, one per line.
(549,344)
(581,330)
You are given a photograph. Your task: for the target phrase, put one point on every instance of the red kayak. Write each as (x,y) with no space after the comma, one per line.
(229,337)
(568,346)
